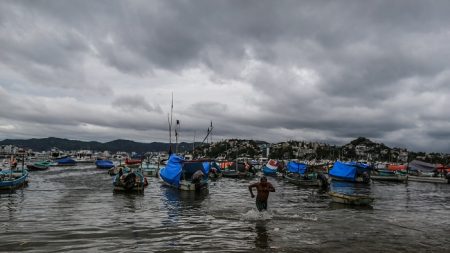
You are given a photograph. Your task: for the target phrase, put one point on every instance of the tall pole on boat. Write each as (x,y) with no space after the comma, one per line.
(211,128)
(177,128)
(169,119)
(193,144)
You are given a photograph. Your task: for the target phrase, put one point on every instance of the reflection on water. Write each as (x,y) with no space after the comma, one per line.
(75,209)
(262,236)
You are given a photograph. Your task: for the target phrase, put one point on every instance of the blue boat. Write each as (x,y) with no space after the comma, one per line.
(66,162)
(13,179)
(271,168)
(104,164)
(350,172)
(185,175)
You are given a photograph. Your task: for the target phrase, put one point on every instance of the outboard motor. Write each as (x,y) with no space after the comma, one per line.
(324,180)
(366,177)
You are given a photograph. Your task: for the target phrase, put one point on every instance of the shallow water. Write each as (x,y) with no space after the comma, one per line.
(74,209)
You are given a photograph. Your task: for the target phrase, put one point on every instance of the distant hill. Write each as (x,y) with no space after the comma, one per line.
(45,144)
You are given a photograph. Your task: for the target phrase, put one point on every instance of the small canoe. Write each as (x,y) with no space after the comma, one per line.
(392,178)
(351,199)
(236,174)
(299,180)
(440,180)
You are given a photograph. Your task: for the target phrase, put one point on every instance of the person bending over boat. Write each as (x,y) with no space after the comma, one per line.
(263,189)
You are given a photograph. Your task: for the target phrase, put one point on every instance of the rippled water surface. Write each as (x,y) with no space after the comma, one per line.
(74,209)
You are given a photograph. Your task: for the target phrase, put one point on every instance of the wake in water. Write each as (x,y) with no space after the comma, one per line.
(254,215)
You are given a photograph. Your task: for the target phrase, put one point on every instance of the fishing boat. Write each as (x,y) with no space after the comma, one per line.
(350,172)
(351,199)
(13,178)
(419,171)
(388,175)
(67,161)
(237,170)
(150,168)
(104,164)
(271,168)
(297,173)
(185,175)
(130,181)
(133,162)
(43,165)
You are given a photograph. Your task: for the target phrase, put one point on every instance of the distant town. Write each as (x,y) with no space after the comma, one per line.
(360,149)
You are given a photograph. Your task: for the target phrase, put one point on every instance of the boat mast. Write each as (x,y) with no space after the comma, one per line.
(177,128)
(169,119)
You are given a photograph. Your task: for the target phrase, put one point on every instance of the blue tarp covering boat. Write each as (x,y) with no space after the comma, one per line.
(344,171)
(66,161)
(171,174)
(104,164)
(294,167)
(177,169)
(351,171)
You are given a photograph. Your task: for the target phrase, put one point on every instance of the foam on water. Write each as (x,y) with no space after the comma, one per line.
(254,215)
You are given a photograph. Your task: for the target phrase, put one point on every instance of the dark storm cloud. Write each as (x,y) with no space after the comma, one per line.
(309,68)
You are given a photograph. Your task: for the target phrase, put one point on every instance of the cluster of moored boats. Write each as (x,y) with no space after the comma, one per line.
(193,175)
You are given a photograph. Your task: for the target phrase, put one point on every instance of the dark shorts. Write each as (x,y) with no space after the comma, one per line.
(261,205)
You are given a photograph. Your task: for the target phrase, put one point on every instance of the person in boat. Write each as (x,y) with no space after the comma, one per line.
(197,176)
(263,189)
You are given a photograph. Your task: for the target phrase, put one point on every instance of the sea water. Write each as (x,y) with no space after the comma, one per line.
(75,210)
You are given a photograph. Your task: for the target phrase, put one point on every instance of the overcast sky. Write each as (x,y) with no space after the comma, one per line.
(326,71)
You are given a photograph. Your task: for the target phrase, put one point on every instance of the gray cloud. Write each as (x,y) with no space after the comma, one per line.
(272,70)
(131,103)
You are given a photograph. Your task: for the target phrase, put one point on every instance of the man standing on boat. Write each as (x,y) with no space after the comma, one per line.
(263,188)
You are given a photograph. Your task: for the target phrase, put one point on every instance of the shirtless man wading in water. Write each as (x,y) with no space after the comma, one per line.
(263,188)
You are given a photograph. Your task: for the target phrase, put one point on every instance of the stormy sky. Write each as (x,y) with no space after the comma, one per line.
(326,71)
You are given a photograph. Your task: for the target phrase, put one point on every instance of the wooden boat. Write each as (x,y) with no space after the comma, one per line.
(150,169)
(387,175)
(237,170)
(39,166)
(440,180)
(309,180)
(351,199)
(13,179)
(300,174)
(230,173)
(131,181)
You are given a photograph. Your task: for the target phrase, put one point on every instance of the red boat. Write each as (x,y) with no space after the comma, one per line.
(132,161)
